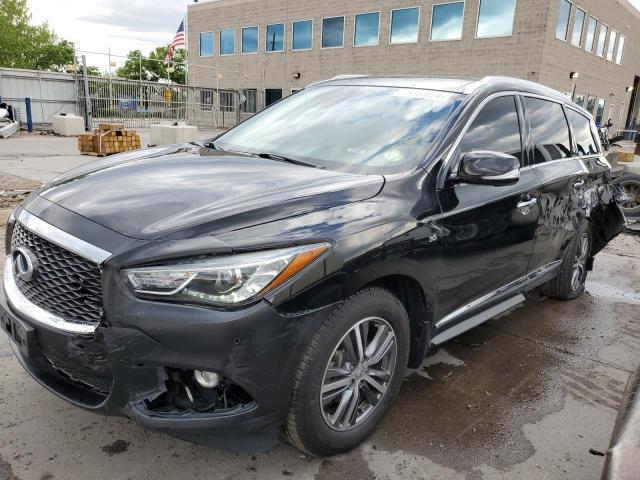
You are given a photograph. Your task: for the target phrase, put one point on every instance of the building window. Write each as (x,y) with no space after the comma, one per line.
(226,101)
(580,100)
(206,44)
(275,37)
(600,112)
(250,101)
(405,25)
(446,21)
(620,50)
(367,30)
(206,100)
(578,28)
(562,28)
(302,38)
(250,40)
(602,40)
(591,35)
(612,45)
(228,42)
(333,32)
(495,18)
(591,104)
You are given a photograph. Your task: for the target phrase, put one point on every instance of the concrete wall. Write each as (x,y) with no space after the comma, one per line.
(532,52)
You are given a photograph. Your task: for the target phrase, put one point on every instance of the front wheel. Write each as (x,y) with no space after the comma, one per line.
(350,374)
(570,281)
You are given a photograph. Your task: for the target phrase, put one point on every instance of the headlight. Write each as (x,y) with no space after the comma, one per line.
(224,280)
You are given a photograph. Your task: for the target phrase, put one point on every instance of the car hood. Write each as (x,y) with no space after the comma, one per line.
(187,190)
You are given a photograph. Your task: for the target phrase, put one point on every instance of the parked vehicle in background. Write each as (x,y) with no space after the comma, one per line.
(287,273)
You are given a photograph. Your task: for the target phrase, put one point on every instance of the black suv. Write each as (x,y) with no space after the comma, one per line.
(287,273)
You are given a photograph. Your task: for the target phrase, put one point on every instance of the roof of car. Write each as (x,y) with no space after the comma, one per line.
(453,85)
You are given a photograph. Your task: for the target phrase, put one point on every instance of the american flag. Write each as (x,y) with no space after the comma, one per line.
(178,41)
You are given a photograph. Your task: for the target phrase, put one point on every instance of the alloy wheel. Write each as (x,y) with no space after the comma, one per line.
(358,373)
(580,262)
(632,189)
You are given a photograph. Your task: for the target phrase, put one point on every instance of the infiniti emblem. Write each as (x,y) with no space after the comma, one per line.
(25,264)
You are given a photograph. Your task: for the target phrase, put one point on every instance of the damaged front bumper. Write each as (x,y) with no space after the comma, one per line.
(146,374)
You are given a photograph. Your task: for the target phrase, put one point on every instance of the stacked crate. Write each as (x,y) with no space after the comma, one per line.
(108,139)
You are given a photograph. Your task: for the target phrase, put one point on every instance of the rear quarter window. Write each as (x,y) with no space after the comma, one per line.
(549,130)
(581,125)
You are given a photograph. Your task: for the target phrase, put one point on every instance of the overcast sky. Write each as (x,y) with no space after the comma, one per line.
(121,25)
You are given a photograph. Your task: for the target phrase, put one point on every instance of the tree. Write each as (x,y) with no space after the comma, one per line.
(34,47)
(152,68)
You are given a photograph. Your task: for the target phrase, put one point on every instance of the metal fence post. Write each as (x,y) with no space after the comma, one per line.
(27,104)
(87,100)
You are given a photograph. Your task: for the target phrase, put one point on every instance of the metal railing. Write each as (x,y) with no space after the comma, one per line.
(140,104)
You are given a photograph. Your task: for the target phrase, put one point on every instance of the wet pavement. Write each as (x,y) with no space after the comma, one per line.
(524,396)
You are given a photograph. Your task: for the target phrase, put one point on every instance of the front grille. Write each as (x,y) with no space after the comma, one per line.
(65,284)
(93,381)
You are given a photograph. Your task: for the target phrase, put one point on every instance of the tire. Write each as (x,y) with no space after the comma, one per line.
(631,184)
(309,425)
(570,280)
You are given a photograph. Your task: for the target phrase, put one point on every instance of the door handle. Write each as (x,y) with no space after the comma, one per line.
(527,204)
(578,185)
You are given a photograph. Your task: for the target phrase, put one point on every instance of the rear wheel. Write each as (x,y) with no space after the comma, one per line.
(350,374)
(570,280)
(631,184)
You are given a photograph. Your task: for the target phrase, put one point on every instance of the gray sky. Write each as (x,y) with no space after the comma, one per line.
(121,25)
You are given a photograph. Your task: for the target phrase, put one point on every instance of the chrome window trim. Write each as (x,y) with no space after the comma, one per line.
(62,238)
(33,312)
(445,171)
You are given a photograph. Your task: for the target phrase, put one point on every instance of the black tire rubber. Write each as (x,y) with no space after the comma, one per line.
(629,178)
(305,427)
(560,286)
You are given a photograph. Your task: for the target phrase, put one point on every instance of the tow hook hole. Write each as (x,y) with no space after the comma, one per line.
(236,341)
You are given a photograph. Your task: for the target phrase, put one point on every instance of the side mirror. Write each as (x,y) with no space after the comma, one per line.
(489,168)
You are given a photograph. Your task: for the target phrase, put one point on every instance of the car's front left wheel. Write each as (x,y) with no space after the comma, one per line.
(350,374)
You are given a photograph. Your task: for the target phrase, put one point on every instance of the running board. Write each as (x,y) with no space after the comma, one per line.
(477,319)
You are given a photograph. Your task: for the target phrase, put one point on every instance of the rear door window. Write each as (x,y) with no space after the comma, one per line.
(496,128)
(549,130)
(582,130)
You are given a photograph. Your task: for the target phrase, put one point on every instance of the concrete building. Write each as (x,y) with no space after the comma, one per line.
(588,48)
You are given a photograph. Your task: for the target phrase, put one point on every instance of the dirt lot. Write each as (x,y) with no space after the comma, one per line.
(525,396)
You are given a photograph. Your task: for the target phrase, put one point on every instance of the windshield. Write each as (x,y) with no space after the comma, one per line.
(357,129)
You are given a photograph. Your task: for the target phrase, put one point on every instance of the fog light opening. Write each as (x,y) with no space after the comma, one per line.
(200,392)
(206,379)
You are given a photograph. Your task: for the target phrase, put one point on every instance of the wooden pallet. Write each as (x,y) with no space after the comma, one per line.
(108,139)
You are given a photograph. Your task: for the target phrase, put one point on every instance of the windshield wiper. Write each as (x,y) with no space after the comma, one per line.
(280,158)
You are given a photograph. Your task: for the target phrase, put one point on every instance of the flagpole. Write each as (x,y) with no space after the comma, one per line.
(186,46)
